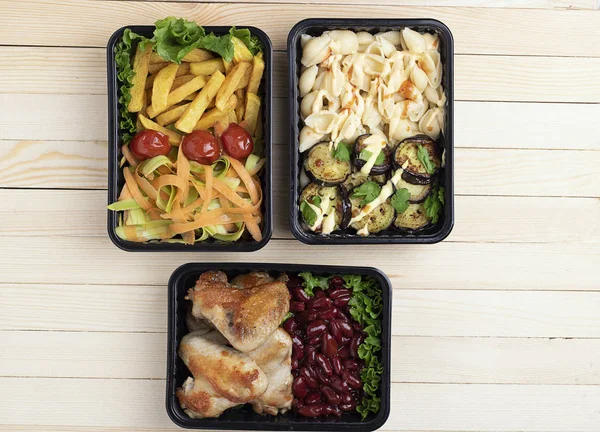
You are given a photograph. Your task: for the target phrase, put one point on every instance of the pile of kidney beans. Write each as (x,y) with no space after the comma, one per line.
(325,361)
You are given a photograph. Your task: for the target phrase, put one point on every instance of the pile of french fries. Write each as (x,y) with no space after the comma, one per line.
(201,92)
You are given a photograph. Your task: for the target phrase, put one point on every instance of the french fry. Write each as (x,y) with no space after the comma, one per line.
(244,81)
(172,115)
(140,67)
(227,65)
(241,103)
(155,58)
(193,113)
(191,96)
(258,67)
(197,55)
(174,137)
(251,113)
(230,84)
(180,93)
(207,67)
(233,117)
(155,67)
(161,88)
(240,51)
(211,117)
(181,80)
(184,69)
(150,81)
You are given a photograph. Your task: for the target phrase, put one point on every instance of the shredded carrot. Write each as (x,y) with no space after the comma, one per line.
(131,159)
(253,228)
(135,191)
(246,178)
(145,186)
(206,220)
(183,172)
(229,194)
(208,171)
(169,180)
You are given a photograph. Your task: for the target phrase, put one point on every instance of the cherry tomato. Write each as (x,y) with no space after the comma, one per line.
(201,146)
(148,143)
(237,142)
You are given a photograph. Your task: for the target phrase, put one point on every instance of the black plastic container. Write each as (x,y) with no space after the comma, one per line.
(115,175)
(185,277)
(317,26)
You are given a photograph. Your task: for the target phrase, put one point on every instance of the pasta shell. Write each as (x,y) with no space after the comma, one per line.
(387,48)
(432,41)
(307,80)
(346,39)
(416,110)
(304,38)
(316,50)
(306,105)
(321,122)
(430,63)
(414,41)
(376,65)
(419,78)
(394,36)
(429,124)
(435,96)
(319,79)
(402,129)
(364,40)
(308,138)
(349,128)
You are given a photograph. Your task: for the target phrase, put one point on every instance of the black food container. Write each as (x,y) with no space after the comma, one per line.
(115,175)
(315,27)
(244,418)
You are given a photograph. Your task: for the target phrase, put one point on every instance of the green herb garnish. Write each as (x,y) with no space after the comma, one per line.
(400,200)
(311,282)
(366,154)
(434,203)
(287,317)
(309,215)
(423,156)
(342,151)
(368,191)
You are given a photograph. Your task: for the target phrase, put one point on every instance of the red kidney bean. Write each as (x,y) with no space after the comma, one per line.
(354,344)
(344,352)
(357,327)
(297,352)
(324,364)
(342,301)
(336,331)
(312,398)
(351,365)
(319,293)
(327,314)
(336,411)
(331,397)
(320,303)
(299,387)
(300,295)
(352,380)
(306,316)
(316,328)
(348,406)
(329,346)
(311,354)
(297,306)
(327,410)
(338,292)
(336,365)
(322,377)
(310,410)
(295,281)
(310,380)
(347,329)
(346,397)
(315,342)
(291,325)
(339,384)
(295,364)
(297,341)
(337,281)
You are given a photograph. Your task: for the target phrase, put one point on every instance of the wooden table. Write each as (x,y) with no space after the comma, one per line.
(495,329)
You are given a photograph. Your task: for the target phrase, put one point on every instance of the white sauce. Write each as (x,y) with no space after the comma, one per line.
(329,223)
(386,191)
(375,145)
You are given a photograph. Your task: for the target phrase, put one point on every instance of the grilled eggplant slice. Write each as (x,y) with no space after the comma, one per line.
(413,219)
(357,178)
(339,201)
(322,168)
(378,220)
(417,192)
(406,156)
(359,146)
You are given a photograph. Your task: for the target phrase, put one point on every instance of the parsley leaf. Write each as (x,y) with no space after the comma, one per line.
(434,203)
(423,156)
(311,282)
(342,151)
(400,200)
(366,154)
(368,191)
(309,215)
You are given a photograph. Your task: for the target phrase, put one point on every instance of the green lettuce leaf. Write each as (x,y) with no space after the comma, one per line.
(311,282)
(252,42)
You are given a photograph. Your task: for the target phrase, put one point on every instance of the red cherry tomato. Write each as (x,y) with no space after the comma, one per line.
(201,146)
(237,142)
(148,143)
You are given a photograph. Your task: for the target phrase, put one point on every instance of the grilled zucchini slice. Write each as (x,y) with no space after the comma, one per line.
(413,219)
(417,192)
(322,168)
(339,202)
(382,168)
(406,157)
(378,220)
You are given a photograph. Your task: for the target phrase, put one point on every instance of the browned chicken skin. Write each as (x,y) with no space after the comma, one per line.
(246,317)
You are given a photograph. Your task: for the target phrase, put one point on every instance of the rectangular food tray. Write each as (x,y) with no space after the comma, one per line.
(185,277)
(315,27)
(115,175)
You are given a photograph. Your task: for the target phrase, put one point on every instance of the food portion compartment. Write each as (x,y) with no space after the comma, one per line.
(371,106)
(189,137)
(278,347)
